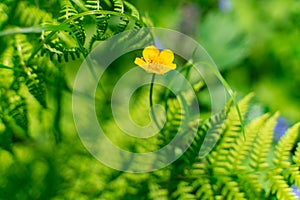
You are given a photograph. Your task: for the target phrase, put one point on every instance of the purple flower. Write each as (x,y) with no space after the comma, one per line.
(225,5)
(280,128)
(296,191)
(158,44)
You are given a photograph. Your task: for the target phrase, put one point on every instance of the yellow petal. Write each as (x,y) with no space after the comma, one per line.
(150,53)
(166,57)
(172,66)
(140,62)
(164,69)
(157,68)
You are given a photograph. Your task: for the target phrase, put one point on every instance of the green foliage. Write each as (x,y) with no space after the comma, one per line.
(35,68)
(28,60)
(232,48)
(237,167)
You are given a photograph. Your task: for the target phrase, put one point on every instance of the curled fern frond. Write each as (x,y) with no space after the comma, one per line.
(79,32)
(58,50)
(93,5)
(108,25)
(118,6)
(132,10)
(123,24)
(101,20)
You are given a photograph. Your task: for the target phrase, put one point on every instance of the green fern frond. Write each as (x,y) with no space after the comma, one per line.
(262,145)
(285,145)
(211,130)
(283,155)
(229,189)
(34,79)
(101,24)
(4,15)
(7,57)
(132,10)
(67,10)
(93,5)
(101,20)
(78,32)
(184,191)
(192,153)
(292,174)
(35,82)
(157,193)
(23,49)
(296,157)
(243,146)
(174,117)
(224,154)
(118,6)
(250,182)
(18,110)
(279,186)
(24,15)
(123,24)
(6,137)
(7,75)
(61,48)
(48,68)
(108,25)
(202,183)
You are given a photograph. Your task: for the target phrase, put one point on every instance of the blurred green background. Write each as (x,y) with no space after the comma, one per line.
(256,45)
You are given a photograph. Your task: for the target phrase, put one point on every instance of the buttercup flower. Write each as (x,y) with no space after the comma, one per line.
(154,61)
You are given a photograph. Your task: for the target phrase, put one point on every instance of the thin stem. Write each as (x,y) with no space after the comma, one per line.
(35,29)
(187,67)
(230,92)
(151,102)
(10,68)
(58,112)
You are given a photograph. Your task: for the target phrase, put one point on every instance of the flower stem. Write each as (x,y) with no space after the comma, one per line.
(151,102)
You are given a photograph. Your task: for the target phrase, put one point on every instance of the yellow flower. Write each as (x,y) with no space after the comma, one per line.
(156,62)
